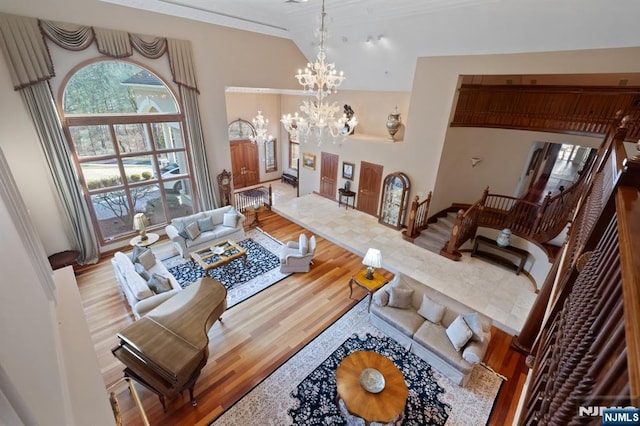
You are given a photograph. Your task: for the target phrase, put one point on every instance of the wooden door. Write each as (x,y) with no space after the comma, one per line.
(328,175)
(244,163)
(369,187)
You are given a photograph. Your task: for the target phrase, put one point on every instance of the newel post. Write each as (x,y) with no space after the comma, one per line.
(449,250)
(410,232)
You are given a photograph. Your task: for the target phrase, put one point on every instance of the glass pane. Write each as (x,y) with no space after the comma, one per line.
(180,203)
(101,173)
(147,199)
(113,213)
(167,135)
(240,129)
(172,165)
(138,169)
(132,138)
(115,87)
(270,156)
(92,140)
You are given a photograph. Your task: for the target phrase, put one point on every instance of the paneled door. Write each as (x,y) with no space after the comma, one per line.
(369,187)
(328,175)
(244,163)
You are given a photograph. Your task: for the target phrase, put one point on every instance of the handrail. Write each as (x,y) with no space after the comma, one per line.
(248,197)
(464,228)
(418,215)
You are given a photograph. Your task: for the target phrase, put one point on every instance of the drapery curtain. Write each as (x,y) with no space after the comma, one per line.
(22,40)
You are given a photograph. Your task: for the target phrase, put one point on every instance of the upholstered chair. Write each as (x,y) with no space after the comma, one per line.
(297,256)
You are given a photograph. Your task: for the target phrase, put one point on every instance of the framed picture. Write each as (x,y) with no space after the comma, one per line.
(347,170)
(309,160)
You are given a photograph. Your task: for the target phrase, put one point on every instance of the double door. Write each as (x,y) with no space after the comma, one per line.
(244,163)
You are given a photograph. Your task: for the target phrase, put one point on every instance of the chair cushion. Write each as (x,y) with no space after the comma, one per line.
(303,244)
(312,244)
(459,333)
(431,310)
(400,297)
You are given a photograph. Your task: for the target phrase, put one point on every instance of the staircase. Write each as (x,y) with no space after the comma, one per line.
(437,234)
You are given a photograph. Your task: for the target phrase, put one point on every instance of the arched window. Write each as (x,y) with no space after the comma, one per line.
(125,127)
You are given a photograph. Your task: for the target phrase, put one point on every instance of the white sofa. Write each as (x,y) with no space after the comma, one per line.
(427,339)
(136,289)
(211,232)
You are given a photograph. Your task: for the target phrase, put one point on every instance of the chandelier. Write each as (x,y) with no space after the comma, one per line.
(260,126)
(319,79)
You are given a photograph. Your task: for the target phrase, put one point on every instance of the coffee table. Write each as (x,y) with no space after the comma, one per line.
(384,407)
(218,254)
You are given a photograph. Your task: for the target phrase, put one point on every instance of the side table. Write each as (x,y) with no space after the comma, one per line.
(370,286)
(346,194)
(151,239)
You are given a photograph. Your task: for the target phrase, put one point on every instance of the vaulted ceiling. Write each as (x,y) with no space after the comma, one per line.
(376,43)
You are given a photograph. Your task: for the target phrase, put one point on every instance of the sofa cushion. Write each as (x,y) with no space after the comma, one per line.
(400,297)
(192,230)
(459,333)
(434,338)
(474,351)
(159,284)
(136,284)
(381,298)
(137,251)
(217,215)
(181,227)
(188,219)
(405,320)
(205,224)
(230,219)
(222,231)
(431,310)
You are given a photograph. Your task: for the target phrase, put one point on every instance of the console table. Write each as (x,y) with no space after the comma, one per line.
(520,254)
(346,194)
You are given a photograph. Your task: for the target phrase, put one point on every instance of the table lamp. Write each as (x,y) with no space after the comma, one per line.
(373,259)
(140,224)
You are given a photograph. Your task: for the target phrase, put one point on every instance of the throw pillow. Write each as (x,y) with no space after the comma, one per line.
(193,230)
(137,251)
(205,224)
(459,333)
(400,297)
(230,219)
(473,321)
(159,284)
(431,310)
(141,271)
(182,229)
(303,244)
(381,298)
(147,259)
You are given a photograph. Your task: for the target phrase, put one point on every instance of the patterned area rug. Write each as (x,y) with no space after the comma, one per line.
(276,399)
(316,395)
(241,280)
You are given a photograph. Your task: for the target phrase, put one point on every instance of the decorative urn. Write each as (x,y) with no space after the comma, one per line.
(393,123)
(504,237)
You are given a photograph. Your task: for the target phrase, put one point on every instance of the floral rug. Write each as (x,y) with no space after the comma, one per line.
(293,395)
(241,280)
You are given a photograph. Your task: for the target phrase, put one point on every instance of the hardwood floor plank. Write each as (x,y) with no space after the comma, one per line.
(257,335)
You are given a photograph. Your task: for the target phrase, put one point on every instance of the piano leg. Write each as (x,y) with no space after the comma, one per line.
(193,400)
(164,406)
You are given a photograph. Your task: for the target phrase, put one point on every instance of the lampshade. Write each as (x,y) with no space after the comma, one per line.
(373,258)
(140,222)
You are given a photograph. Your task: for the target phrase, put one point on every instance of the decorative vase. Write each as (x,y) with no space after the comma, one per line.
(504,237)
(393,123)
(256,205)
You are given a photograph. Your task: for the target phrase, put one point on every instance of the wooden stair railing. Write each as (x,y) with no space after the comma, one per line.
(418,215)
(247,198)
(464,228)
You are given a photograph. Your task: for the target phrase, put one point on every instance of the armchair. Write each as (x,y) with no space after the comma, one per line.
(297,256)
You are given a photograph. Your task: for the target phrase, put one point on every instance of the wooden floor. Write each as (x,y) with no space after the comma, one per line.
(258,335)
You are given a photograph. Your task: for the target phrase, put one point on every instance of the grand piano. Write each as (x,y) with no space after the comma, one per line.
(166,349)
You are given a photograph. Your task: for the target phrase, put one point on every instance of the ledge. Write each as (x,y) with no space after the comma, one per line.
(371,138)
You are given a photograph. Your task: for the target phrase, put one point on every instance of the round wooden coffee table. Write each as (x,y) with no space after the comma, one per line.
(383,407)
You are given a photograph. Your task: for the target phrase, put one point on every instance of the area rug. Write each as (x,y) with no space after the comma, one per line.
(241,280)
(278,398)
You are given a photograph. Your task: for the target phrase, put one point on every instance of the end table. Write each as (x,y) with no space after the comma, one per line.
(370,286)
(151,239)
